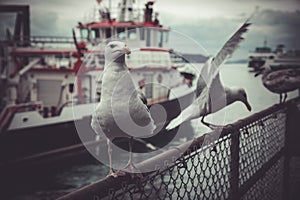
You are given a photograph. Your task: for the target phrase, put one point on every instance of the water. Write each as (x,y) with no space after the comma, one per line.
(63,181)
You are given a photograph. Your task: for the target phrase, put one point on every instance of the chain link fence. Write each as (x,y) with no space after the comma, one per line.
(250,160)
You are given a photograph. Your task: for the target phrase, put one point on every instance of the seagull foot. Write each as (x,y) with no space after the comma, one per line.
(215,127)
(133,171)
(116,174)
(211,126)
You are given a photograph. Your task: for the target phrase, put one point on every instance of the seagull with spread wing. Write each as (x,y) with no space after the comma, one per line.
(211,95)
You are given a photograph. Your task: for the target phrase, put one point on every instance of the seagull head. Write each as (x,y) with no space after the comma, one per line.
(115,52)
(264,69)
(242,96)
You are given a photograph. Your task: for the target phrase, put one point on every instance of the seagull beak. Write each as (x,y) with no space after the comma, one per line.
(248,105)
(126,50)
(258,73)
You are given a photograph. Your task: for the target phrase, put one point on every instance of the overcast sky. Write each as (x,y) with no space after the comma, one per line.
(209,22)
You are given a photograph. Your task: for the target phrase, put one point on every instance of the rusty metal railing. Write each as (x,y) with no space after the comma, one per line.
(250,160)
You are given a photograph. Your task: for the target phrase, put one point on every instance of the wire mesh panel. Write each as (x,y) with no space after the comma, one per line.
(269,186)
(202,174)
(259,142)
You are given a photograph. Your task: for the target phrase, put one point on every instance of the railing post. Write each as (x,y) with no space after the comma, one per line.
(286,164)
(234,165)
(290,147)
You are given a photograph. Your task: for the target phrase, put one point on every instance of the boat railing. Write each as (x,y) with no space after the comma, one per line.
(249,160)
(21,40)
(51,39)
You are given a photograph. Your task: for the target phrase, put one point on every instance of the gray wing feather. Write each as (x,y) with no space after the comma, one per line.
(210,77)
(211,67)
(228,48)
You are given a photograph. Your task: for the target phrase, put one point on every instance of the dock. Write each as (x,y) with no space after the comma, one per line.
(250,160)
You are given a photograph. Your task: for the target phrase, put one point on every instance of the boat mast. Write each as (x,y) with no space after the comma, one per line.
(109,5)
(265,42)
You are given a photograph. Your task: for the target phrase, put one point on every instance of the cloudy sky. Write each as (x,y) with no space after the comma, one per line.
(210,22)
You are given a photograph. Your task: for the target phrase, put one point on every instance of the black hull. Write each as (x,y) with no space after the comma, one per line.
(16,145)
(256,64)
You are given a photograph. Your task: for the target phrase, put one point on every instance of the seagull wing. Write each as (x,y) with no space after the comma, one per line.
(201,82)
(231,45)
(210,69)
(210,72)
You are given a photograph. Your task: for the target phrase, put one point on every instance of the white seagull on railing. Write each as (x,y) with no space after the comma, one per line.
(211,95)
(122,112)
(280,81)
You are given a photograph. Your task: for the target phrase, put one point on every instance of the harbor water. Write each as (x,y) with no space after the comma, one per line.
(55,183)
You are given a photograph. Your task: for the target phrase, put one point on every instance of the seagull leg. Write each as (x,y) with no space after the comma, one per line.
(111,171)
(130,167)
(211,126)
(205,123)
(109,149)
(280,98)
(285,97)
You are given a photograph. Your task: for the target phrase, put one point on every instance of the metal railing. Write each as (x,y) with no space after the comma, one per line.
(250,160)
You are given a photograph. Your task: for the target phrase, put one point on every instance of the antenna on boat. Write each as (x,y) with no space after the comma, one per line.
(109,5)
(265,41)
(81,46)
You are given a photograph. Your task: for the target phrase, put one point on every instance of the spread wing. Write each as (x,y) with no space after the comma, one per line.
(211,68)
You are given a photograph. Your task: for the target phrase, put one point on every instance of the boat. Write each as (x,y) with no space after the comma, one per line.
(258,57)
(49,91)
(277,59)
(287,60)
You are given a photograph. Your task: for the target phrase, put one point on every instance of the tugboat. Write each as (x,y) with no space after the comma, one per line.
(48,92)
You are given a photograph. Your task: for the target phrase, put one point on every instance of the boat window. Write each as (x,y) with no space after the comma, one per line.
(166,36)
(132,34)
(142,34)
(148,85)
(95,33)
(108,32)
(84,33)
(148,37)
(121,33)
(161,37)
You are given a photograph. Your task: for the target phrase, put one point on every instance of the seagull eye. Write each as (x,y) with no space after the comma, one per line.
(112,46)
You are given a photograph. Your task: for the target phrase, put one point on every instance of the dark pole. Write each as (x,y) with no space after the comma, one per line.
(234,165)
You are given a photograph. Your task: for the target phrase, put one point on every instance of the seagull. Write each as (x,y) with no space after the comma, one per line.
(280,81)
(211,95)
(122,112)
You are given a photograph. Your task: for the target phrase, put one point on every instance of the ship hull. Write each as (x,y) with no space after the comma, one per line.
(256,64)
(19,144)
